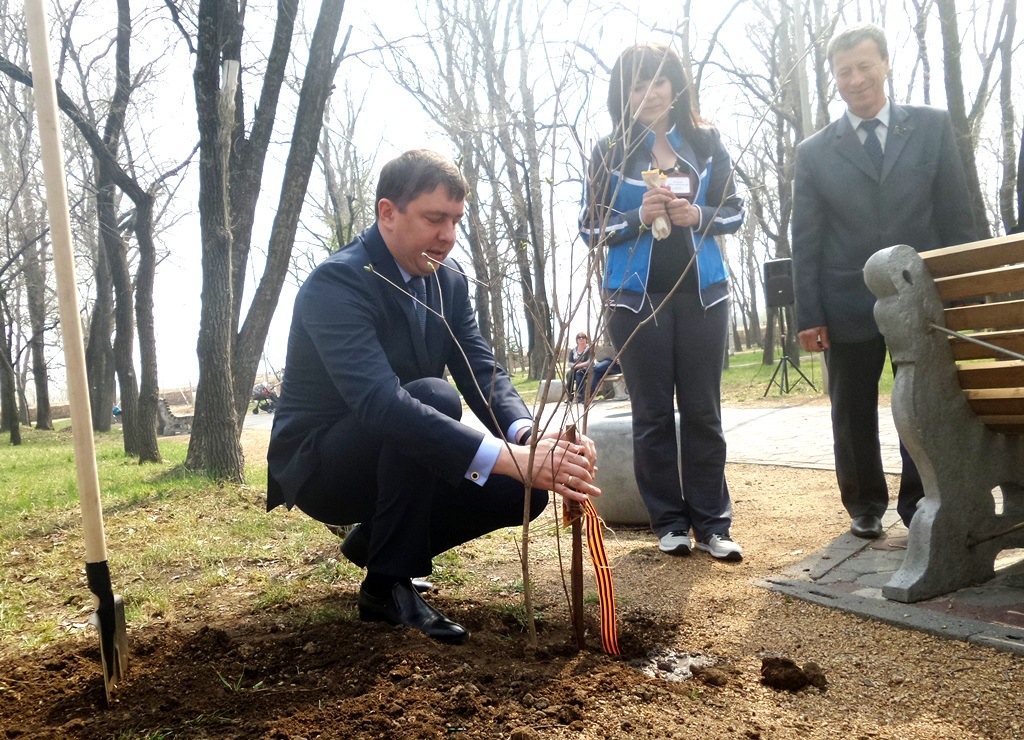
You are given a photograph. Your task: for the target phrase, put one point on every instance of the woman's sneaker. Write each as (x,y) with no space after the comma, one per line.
(722,547)
(676,543)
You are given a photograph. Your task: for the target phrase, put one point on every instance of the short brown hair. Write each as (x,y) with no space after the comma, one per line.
(415,172)
(855,35)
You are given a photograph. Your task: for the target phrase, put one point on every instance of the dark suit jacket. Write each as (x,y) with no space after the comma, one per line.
(355,341)
(843,212)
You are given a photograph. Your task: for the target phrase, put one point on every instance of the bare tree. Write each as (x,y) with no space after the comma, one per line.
(348,200)
(965,123)
(232,157)
(1011,221)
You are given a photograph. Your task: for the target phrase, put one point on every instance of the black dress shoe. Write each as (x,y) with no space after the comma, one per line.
(868,527)
(407,608)
(356,549)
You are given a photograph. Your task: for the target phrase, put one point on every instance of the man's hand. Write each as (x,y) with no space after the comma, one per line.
(815,339)
(566,468)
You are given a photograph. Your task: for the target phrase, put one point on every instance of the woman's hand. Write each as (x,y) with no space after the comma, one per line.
(663,202)
(655,203)
(561,466)
(682,213)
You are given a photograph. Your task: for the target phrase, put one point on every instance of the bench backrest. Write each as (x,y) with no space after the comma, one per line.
(982,284)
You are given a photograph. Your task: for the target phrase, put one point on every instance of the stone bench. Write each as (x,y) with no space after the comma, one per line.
(958,406)
(619,502)
(167,424)
(612,387)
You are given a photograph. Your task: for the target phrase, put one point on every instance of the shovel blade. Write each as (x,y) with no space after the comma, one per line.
(109,621)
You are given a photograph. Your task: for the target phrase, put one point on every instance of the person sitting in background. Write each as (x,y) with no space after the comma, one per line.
(579,360)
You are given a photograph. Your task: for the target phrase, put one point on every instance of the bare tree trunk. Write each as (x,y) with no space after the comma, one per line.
(768,356)
(541,349)
(1010,173)
(145,274)
(1020,184)
(8,383)
(124,309)
(753,318)
(231,167)
(35,294)
(317,83)
(921,8)
(955,100)
(21,373)
(214,445)
(99,354)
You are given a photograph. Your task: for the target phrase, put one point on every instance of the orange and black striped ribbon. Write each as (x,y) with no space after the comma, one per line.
(603,574)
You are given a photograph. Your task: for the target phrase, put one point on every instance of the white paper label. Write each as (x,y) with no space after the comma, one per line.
(681,186)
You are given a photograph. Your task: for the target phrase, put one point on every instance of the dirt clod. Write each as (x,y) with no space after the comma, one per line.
(783,674)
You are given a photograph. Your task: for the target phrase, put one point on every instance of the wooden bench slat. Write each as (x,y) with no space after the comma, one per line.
(982,283)
(982,255)
(995,401)
(994,394)
(1004,424)
(1008,374)
(1011,340)
(1001,315)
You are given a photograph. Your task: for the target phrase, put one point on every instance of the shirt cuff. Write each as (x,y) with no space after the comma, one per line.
(483,462)
(516,428)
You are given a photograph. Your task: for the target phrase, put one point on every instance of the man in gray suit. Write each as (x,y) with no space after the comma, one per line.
(880,175)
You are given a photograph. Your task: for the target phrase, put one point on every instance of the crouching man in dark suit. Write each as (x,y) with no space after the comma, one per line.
(880,175)
(368,431)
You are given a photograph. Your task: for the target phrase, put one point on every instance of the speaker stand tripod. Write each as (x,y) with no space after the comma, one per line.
(781,375)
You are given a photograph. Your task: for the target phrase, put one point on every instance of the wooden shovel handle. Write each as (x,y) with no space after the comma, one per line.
(67,293)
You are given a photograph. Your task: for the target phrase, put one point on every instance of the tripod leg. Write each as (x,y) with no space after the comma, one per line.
(772,381)
(795,367)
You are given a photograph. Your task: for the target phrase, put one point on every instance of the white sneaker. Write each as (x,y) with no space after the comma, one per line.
(676,543)
(722,547)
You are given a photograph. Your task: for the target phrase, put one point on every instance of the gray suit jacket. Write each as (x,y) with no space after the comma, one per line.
(843,212)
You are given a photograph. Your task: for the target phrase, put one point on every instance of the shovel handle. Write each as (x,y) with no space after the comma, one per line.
(45,93)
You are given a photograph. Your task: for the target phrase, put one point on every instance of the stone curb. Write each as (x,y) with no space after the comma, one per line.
(902,615)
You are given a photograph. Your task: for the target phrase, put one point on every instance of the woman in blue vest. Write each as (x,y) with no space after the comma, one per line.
(662,258)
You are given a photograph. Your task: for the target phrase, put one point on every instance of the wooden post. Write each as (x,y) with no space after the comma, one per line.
(576,568)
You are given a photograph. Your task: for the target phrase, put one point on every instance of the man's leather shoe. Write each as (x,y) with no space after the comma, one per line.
(356,549)
(406,607)
(868,527)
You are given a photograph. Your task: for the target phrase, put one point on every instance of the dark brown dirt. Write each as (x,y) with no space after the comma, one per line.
(310,669)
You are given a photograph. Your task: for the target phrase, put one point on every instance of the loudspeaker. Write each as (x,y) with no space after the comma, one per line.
(778,283)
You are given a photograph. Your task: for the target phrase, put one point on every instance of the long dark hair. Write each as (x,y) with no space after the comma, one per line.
(648,62)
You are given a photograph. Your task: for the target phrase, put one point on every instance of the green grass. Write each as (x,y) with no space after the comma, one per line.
(174,540)
(747,378)
(527,388)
